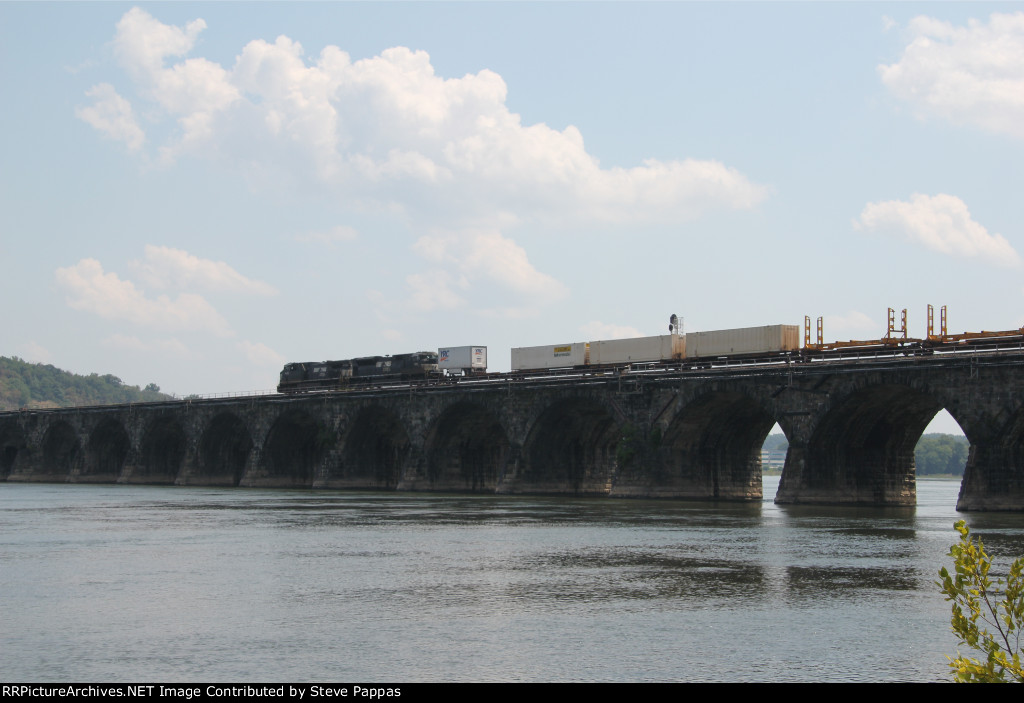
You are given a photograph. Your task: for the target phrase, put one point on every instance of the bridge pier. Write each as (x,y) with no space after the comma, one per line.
(994,477)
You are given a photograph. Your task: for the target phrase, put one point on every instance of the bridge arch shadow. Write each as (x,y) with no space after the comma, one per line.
(224,450)
(106,452)
(61,450)
(862,450)
(293,450)
(12,444)
(467,448)
(375,451)
(164,446)
(711,449)
(571,448)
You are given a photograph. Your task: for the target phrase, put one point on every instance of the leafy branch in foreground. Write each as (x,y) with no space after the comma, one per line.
(980,604)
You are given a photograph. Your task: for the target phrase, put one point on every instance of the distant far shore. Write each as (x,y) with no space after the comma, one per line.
(920,477)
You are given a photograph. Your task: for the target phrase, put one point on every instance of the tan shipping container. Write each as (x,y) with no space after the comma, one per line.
(743,340)
(664,347)
(549,356)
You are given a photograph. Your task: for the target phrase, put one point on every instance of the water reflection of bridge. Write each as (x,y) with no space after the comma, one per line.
(852,426)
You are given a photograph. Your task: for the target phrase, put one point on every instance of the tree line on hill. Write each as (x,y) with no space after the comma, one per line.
(27,385)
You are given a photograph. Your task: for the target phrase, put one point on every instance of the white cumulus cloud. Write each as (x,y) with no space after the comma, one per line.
(436,290)
(170,347)
(165,267)
(144,42)
(941,223)
(194,90)
(36,353)
(259,354)
(387,130)
(473,257)
(88,288)
(497,258)
(112,115)
(971,74)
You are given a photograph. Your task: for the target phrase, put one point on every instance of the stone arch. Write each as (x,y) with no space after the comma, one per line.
(712,447)
(375,451)
(163,452)
(571,448)
(224,450)
(61,449)
(294,449)
(12,444)
(467,448)
(106,451)
(862,450)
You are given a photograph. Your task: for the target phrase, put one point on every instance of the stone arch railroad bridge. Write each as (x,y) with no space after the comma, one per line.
(678,432)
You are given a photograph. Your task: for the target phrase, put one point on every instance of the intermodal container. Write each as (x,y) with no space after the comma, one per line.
(549,356)
(743,340)
(666,347)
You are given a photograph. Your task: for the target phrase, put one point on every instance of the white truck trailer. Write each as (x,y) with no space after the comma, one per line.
(462,360)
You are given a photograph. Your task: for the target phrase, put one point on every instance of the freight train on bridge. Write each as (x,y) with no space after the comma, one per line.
(768,344)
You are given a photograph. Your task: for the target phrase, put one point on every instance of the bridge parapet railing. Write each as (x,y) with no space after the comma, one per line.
(226,394)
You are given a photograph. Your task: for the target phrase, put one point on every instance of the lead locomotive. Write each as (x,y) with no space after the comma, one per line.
(304,376)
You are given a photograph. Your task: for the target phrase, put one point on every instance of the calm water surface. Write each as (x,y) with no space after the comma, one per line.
(135,583)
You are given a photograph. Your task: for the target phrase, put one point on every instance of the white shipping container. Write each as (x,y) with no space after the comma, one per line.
(465,359)
(549,356)
(743,340)
(664,347)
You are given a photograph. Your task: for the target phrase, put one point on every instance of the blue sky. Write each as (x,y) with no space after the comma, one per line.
(195,193)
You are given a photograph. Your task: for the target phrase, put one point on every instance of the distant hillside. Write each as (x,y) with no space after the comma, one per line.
(25,385)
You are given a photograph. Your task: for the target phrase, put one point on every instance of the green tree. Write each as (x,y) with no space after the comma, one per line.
(980,604)
(941,454)
(41,385)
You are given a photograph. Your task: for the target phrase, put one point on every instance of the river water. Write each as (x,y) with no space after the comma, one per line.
(138,583)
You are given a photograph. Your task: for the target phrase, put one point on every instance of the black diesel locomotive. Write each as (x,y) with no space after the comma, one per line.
(304,376)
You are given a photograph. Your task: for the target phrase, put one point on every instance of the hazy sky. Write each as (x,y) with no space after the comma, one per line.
(195,193)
